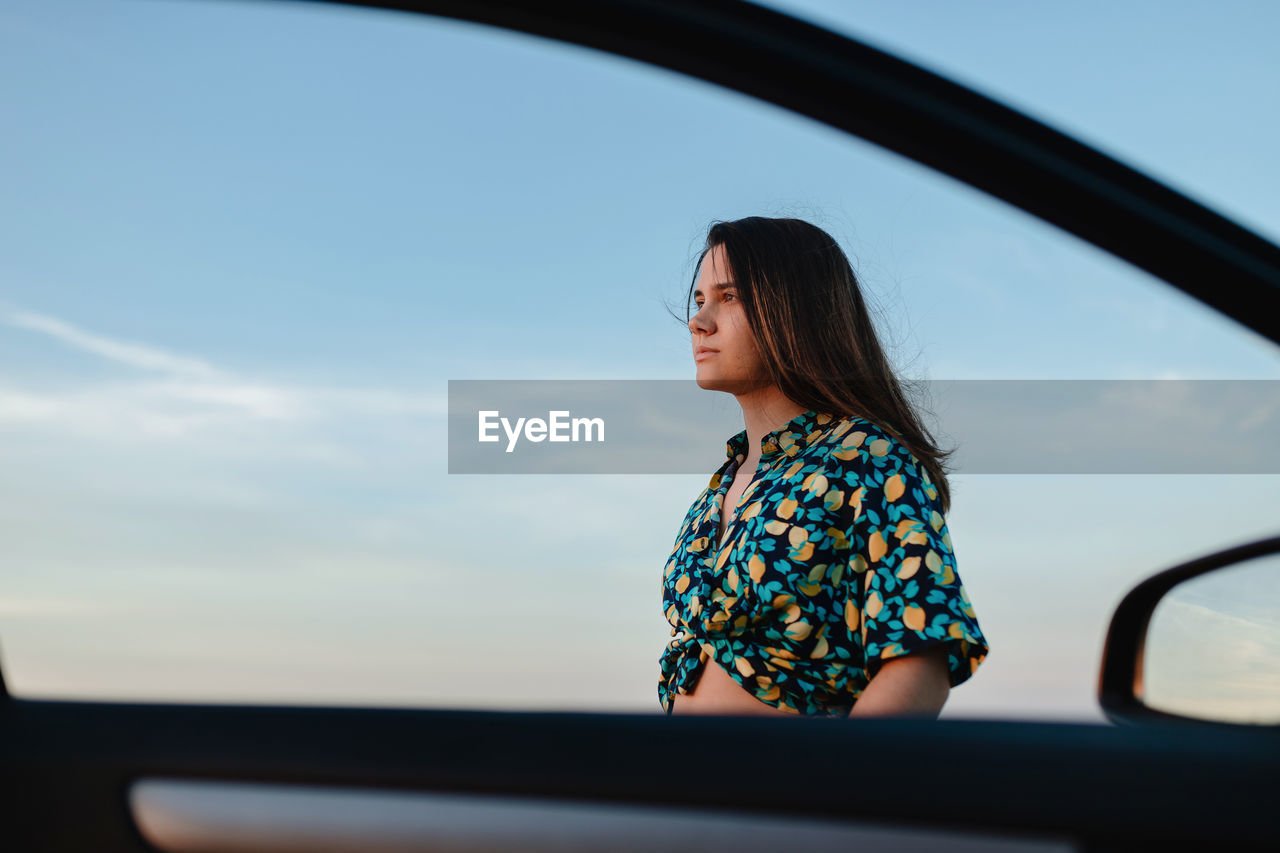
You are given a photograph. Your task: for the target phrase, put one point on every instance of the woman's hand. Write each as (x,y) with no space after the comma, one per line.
(916,684)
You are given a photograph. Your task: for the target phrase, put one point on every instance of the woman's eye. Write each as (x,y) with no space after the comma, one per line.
(726,297)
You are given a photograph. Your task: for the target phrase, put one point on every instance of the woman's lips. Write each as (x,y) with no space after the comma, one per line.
(706,353)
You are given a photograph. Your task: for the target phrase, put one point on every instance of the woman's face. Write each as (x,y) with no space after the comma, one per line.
(733,363)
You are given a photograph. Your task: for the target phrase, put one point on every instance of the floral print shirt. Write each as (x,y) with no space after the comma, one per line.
(837,559)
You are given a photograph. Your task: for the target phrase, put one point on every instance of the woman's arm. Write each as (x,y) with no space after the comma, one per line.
(916,684)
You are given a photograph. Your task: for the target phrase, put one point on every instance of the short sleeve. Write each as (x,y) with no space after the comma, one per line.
(903,589)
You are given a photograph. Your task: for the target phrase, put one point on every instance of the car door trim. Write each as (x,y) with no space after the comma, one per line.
(190,815)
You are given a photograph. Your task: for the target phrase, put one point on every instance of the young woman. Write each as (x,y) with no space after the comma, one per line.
(814,575)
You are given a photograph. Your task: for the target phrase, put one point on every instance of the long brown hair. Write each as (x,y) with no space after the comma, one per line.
(810,323)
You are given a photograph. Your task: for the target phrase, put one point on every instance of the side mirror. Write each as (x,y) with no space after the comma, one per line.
(1200,641)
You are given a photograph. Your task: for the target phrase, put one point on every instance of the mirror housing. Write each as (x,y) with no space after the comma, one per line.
(1123,691)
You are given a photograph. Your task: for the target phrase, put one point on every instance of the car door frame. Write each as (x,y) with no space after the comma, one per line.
(70,766)
(923,116)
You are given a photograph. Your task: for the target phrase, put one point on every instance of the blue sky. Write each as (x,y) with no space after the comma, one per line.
(244,246)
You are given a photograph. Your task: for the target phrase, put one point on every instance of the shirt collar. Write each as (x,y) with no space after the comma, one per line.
(790,438)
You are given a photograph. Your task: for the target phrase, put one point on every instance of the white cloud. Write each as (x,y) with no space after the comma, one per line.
(1259,416)
(142,356)
(48,606)
(194,395)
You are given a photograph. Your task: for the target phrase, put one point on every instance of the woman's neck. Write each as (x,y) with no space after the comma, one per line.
(763,411)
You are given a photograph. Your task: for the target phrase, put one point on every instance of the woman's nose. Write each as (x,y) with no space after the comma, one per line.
(700,321)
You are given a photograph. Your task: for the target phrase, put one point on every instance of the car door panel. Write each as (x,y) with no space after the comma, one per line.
(117,776)
(1091,784)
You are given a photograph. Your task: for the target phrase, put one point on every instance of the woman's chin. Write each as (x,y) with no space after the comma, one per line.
(709,383)
(737,387)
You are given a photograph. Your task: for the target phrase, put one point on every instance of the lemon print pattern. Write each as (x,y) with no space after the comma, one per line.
(837,559)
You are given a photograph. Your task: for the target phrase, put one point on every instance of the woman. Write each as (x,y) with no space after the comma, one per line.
(814,576)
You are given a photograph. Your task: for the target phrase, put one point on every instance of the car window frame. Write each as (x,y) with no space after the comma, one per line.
(897,105)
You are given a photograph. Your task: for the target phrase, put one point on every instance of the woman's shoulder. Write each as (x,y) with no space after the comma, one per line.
(859,467)
(861,452)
